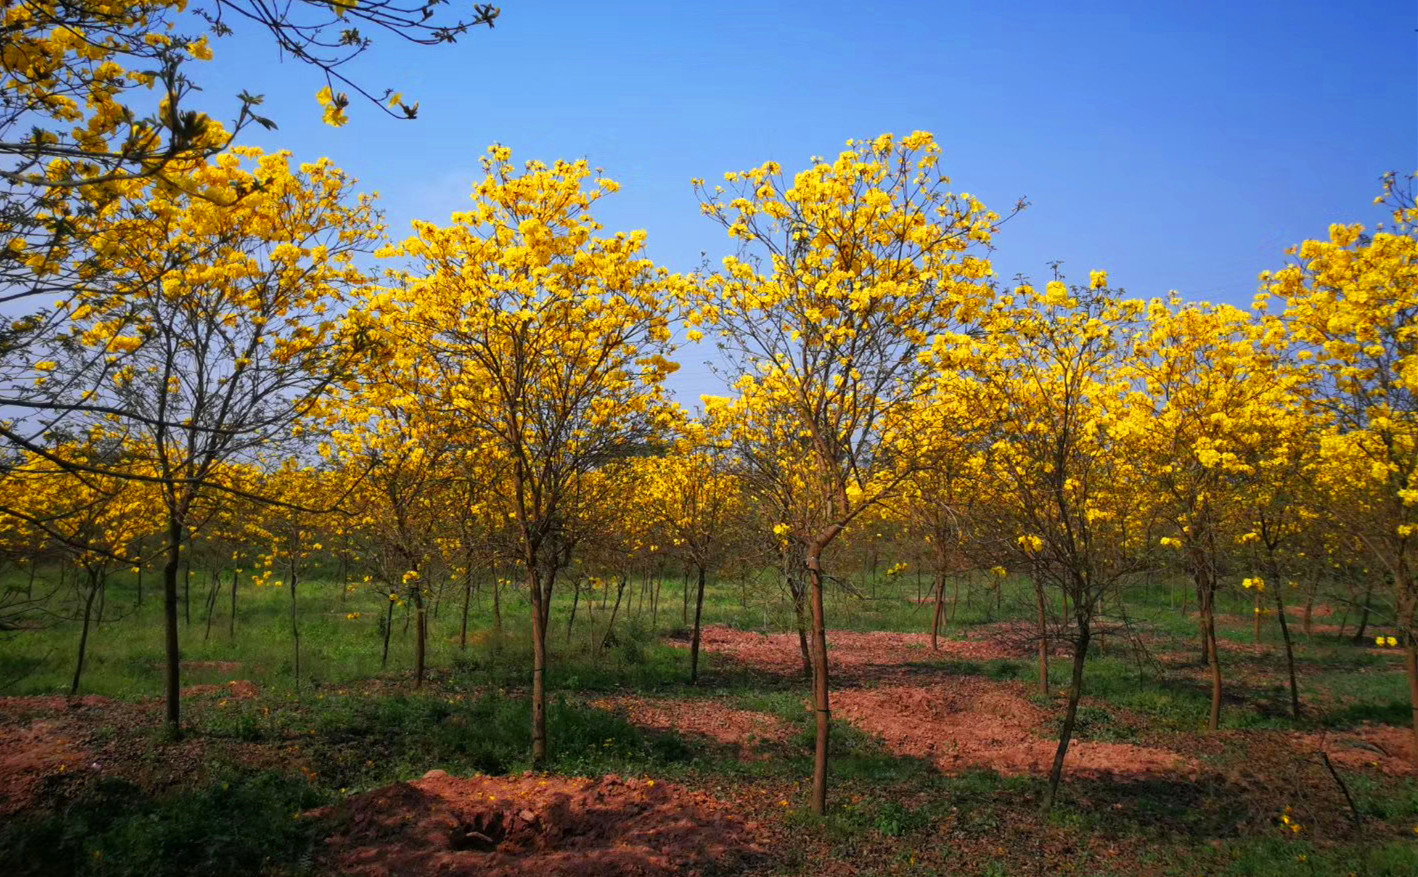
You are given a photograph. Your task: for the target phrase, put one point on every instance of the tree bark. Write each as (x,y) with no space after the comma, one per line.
(388,631)
(1080,653)
(231,622)
(694,641)
(95,584)
(1209,624)
(539,667)
(169,593)
(939,609)
(1043,638)
(420,634)
(467,603)
(821,704)
(295,626)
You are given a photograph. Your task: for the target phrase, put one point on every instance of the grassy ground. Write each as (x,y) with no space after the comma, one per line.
(228,798)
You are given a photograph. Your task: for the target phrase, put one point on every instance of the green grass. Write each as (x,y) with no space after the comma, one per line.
(360,725)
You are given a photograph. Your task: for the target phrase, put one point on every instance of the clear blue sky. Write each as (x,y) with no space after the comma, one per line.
(1178,145)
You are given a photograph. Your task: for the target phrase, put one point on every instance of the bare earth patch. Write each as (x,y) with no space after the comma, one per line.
(971,723)
(237,689)
(744,729)
(1383,747)
(852,655)
(502,827)
(29,754)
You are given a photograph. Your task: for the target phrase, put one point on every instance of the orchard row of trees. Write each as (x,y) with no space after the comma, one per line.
(220,366)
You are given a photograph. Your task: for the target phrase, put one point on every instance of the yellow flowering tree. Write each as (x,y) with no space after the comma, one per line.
(552,345)
(696,500)
(1064,471)
(208,337)
(845,275)
(1210,383)
(1351,304)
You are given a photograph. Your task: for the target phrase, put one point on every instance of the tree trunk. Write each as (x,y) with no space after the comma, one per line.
(467,602)
(294,626)
(575,601)
(1272,572)
(1043,638)
(684,611)
(615,610)
(939,609)
(1208,612)
(1363,614)
(539,667)
(388,630)
(694,641)
(821,705)
(1080,653)
(420,634)
(95,585)
(212,592)
(1289,653)
(496,609)
(231,622)
(169,594)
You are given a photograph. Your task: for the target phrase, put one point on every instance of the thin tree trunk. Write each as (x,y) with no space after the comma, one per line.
(420,634)
(575,601)
(539,665)
(212,592)
(694,641)
(231,622)
(295,625)
(1363,613)
(939,608)
(1257,610)
(821,704)
(1209,620)
(1289,653)
(684,613)
(496,609)
(610,623)
(1043,638)
(187,593)
(1080,653)
(467,603)
(95,585)
(174,654)
(388,630)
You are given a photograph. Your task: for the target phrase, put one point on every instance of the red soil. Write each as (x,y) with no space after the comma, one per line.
(220,666)
(29,754)
(706,718)
(237,689)
(505,827)
(974,723)
(1385,747)
(851,654)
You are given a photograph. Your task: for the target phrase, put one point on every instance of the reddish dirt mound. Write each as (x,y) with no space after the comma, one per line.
(28,755)
(733,727)
(852,655)
(1388,748)
(238,689)
(501,827)
(219,666)
(972,723)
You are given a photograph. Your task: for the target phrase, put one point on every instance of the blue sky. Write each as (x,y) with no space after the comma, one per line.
(1178,145)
